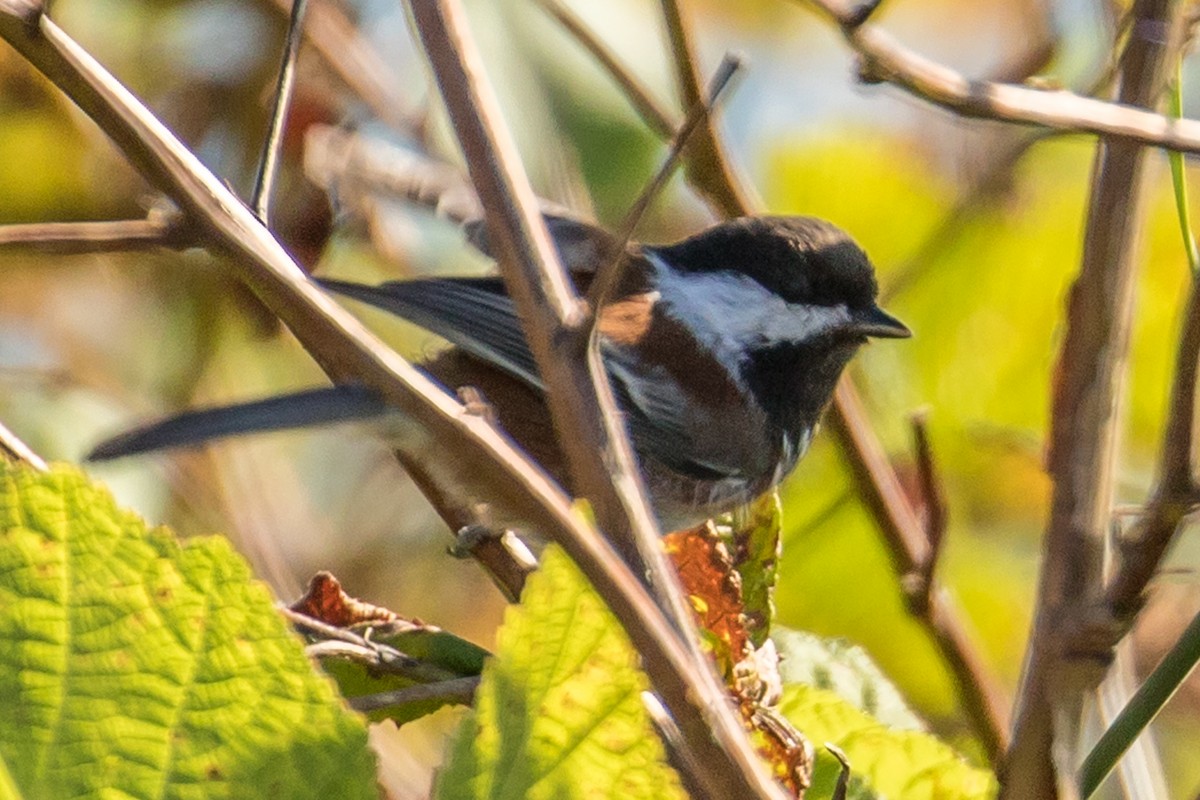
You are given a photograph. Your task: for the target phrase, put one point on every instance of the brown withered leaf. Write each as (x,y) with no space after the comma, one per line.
(326,601)
(751,675)
(715,590)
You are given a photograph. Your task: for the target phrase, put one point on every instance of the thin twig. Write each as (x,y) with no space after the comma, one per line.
(351,57)
(455,690)
(656,118)
(609,276)
(470,452)
(157,230)
(885,60)
(13,449)
(933,497)
(910,551)
(1067,655)
(580,400)
(707,167)
(338,642)
(268,162)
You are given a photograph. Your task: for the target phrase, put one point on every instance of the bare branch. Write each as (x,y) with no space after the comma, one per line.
(609,277)
(885,60)
(157,230)
(581,401)
(352,58)
(707,167)
(15,450)
(933,496)
(268,162)
(648,108)
(911,552)
(1067,656)
(1176,494)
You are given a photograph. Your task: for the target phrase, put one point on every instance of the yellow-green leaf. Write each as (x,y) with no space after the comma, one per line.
(559,711)
(134,666)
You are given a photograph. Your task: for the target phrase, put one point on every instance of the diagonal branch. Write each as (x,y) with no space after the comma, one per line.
(15,450)
(1177,493)
(707,167)
(886,60)
(461,449)
(581,403)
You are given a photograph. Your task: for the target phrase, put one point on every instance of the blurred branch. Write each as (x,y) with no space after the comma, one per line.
(14,450)
(707,167)
(352,58)
(911,554)
(1071,642)
(657,118)
(268,162)
(589,428)
(608,276)
(469,452)
(158,229)
(933,502)
(1176,493)
(884,60)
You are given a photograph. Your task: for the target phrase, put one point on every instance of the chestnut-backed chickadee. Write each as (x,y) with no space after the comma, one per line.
(722,349)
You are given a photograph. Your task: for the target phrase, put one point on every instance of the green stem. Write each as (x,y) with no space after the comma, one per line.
(1178,179)
(1141,709)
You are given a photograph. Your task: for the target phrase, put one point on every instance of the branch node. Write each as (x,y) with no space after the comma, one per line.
(858,15)
(28,11)
(933,495)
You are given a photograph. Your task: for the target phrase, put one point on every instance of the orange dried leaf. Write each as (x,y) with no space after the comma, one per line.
(327,602)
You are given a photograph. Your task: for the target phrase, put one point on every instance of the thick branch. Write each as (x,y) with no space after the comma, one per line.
(1064,664)
(886,60)
(460,449)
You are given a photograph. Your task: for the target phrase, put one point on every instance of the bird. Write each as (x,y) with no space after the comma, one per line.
(722,349)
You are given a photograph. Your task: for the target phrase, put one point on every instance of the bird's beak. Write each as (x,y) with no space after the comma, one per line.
(879,324)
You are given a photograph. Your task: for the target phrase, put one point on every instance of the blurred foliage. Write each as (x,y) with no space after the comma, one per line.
(89,344)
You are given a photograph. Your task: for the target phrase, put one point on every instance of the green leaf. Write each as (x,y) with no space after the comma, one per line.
(885,762)
(846,670)
(756,558)
(132,665)
(559,711)
(442,652)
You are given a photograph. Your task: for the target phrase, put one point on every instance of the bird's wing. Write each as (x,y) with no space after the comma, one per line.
(312,407)
(698,440)
(582,247)
(472,313)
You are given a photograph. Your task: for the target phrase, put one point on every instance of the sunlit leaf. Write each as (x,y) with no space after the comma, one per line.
(133,665)
(559,712)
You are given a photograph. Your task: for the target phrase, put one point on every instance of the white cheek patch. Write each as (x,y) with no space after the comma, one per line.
(731,313)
